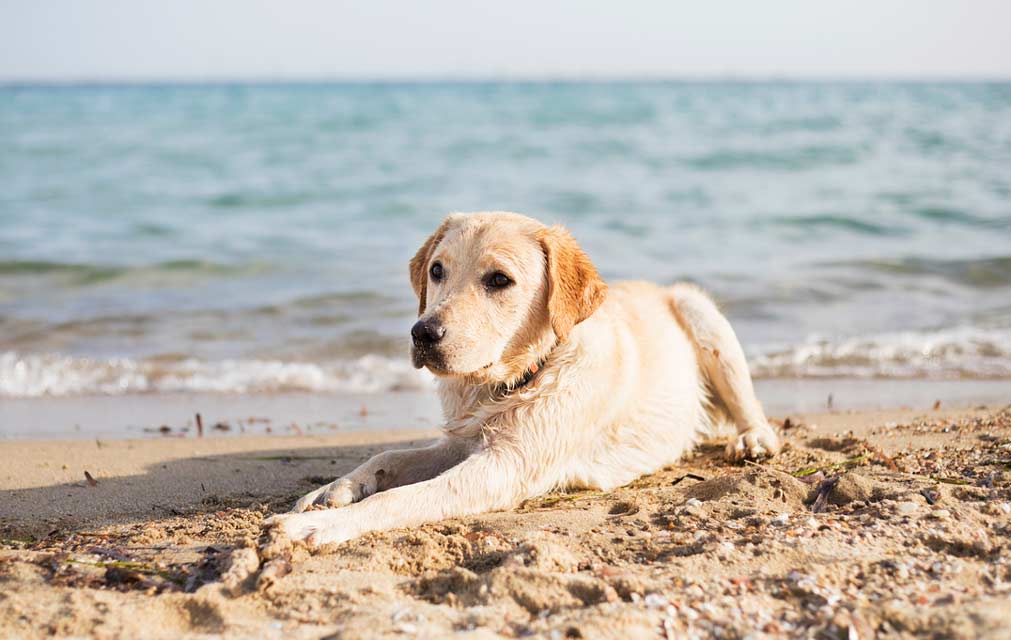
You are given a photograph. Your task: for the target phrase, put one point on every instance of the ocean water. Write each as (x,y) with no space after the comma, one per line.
(256,237)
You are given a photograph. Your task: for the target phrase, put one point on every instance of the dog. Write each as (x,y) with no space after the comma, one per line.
(548,379)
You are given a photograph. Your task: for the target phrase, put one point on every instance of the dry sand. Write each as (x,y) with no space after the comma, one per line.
(868,523)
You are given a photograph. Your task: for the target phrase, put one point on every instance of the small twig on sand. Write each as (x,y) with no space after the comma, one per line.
(138,567)
(957,481)
(91,480)
(687,476)
(824,491)
(200,426)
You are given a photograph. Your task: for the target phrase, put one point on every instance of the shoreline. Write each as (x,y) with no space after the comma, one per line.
(129,416)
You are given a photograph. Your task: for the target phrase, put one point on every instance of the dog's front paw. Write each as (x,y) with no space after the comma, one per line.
(314,528)
(339,493)
(757,442)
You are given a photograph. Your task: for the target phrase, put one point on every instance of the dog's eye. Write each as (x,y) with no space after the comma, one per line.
(498,280)
(436,271)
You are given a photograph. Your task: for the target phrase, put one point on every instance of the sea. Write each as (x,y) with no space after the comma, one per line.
(164,238)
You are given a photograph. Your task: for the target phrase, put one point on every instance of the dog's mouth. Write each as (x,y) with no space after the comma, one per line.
(428,358)
(440,370)
(434,362)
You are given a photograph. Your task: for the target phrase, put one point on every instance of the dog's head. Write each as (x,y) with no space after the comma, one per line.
(495,291)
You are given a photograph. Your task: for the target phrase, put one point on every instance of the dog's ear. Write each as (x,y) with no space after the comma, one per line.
(575,289)
(419,263)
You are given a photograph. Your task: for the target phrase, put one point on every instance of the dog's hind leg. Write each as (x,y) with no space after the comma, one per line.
(725,370)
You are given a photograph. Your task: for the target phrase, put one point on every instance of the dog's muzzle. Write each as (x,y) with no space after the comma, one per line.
(425,337)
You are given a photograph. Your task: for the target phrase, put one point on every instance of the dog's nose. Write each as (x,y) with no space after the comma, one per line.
(427,332)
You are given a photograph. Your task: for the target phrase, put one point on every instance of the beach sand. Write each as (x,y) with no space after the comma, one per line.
(868,522)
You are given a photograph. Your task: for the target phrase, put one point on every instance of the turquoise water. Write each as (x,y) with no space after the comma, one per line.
(157,238)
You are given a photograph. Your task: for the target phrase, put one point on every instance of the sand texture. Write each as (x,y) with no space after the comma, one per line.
(887,523)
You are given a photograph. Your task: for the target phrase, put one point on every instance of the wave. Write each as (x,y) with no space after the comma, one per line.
(955,215)
(239,200)
(959,353)
(964,352)
(82,274)
(835,222)
(32,376)
(791,159)
(983,273)
(810,123)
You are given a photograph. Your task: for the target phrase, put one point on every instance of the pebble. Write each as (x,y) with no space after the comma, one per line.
(655,601)
(694,512)
(907,508)
(940,514)
(781,520)
(693,502)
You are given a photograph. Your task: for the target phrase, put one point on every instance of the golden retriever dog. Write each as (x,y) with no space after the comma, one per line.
(548,378)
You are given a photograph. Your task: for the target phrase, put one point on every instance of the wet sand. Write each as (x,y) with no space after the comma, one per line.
(292,413)
(893,521)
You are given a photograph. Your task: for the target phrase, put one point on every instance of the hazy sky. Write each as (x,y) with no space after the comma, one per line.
(204,39)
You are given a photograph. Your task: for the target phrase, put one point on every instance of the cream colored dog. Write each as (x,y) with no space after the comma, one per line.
(548,379)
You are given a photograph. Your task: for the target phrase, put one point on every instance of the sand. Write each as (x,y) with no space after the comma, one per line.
(894,522)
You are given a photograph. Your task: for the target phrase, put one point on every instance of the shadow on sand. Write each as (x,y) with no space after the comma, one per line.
(202,484)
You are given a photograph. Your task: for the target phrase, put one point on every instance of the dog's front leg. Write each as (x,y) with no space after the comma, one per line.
(526,448)
(486,481)
(388,470)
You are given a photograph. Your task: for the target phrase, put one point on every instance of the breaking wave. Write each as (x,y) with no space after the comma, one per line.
(29,376)
(964,352)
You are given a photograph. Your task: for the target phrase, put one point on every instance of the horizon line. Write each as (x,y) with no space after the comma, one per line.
(687,78)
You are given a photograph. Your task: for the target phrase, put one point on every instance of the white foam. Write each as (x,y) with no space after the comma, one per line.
(962,352)
(58,375)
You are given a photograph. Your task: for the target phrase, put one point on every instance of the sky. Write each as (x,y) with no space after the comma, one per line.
(73,40)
